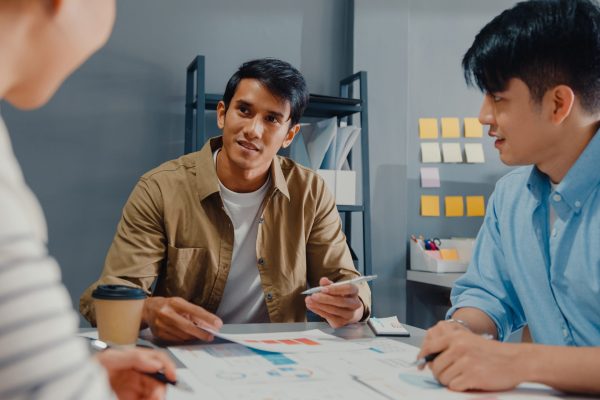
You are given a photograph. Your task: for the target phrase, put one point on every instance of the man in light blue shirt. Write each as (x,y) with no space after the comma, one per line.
(537,257)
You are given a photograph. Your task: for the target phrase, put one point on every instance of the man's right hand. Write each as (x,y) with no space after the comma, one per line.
(177,320)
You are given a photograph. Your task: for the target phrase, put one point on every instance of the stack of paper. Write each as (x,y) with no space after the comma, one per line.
(324,145)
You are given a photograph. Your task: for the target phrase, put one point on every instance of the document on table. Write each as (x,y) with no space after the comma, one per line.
(311,341)
(377,368)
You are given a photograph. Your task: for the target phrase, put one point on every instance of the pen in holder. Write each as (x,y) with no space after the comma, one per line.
(441,255)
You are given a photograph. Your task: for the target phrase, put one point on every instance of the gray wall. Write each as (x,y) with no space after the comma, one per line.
(412,52)
(122,112)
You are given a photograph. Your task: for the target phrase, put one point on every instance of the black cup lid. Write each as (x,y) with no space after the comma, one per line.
(118,292)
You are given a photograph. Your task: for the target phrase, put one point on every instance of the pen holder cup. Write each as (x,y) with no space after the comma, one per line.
(431,260)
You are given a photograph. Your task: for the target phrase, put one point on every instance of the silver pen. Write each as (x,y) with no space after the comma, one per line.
(354,281)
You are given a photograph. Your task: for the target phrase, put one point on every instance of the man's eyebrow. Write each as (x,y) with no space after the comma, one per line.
(244,103)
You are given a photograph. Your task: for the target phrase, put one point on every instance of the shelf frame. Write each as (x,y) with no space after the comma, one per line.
(197,101)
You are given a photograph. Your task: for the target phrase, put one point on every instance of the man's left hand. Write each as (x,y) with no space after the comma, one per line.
(339,305)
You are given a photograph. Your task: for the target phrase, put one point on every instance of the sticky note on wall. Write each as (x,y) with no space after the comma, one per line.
(430,206)
(450,128)
(430,153)
(430,177)
(473,129)
(454,206)
(474,152)
(428,128)
(475,206)
(452,153)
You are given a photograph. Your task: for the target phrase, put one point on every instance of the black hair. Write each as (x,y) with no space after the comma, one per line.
(279,77)
(544,43)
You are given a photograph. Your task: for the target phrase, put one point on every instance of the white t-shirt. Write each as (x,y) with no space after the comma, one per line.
(41,356)
(243,299)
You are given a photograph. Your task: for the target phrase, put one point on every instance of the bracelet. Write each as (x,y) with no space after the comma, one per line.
(460,322)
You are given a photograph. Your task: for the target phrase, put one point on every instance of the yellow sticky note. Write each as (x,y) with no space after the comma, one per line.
(428,128)
(430,206)
(449,254)
(473,129)
(454,206)
(450,128)
(475,206)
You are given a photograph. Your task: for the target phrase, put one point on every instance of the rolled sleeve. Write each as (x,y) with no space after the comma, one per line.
(327,252)
(138,248)
(486,285)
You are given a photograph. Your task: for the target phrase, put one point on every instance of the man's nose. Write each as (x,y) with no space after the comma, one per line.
(254,128)
(486,112)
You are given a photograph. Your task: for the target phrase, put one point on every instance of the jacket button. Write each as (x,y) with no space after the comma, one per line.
(269,296)
(261,261)
(261,220)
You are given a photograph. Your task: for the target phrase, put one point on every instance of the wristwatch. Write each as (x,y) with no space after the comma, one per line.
(459,321)
(96,345)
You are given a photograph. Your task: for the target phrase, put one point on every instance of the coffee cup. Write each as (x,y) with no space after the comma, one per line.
(118,313)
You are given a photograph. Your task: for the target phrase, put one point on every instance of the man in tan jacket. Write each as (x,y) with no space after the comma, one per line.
(234,233)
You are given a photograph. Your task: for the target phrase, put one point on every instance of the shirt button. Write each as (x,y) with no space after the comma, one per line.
(269,296)
(557,197)
(565,333)
(261,261)
(577,204)
(554,232)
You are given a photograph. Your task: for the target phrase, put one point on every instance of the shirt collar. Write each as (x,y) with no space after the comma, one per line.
(538,184)
(578,183)
(206,174)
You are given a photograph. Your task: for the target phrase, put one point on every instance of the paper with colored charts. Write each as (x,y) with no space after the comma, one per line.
(382,371)
(311,341)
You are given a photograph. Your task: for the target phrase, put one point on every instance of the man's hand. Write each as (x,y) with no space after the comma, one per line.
(177,320)
(126,369)
(338,305)
(469,361)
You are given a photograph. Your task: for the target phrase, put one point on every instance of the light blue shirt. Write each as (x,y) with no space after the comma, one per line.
(523,272)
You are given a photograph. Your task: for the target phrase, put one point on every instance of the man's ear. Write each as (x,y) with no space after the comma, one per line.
(560,100)
(221,111)
(290,135)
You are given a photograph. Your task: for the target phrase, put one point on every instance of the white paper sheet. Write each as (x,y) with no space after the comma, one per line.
(380,369)
(201,391)
(318,138)
(311,341)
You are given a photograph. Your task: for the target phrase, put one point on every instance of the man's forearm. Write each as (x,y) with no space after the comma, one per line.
(476,320)
(569,369)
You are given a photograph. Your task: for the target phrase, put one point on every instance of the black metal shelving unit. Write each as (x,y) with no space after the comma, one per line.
(197,102)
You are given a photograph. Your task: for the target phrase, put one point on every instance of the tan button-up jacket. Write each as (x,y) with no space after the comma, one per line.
(175,231)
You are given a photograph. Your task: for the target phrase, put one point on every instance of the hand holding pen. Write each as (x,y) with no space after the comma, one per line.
(337,302)
(136,372)
(463,360)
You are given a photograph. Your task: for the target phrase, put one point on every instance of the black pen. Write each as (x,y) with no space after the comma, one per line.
(430,357)
(424,360)
(99,345)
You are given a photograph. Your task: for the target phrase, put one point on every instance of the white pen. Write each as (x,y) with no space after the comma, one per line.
(354,281)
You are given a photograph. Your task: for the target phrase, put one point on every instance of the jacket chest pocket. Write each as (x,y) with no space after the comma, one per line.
(186,271)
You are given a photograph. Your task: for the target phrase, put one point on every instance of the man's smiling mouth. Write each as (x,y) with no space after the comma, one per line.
(248,145)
